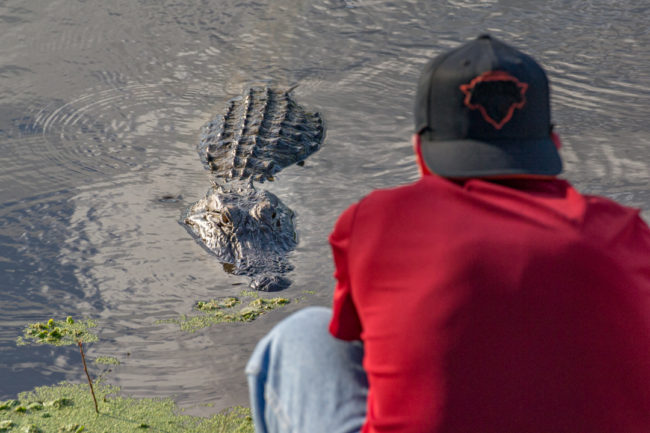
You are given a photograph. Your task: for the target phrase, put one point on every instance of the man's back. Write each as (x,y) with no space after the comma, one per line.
(496,307)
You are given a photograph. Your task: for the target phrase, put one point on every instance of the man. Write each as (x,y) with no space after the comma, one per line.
(489,296)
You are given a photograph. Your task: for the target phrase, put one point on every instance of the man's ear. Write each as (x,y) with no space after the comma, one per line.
(417,149)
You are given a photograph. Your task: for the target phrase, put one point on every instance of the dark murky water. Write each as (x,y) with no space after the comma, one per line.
(101,105)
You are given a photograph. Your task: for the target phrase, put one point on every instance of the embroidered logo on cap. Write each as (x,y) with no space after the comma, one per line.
(496,94)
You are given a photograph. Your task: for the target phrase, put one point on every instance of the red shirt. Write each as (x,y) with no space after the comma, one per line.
(513,307)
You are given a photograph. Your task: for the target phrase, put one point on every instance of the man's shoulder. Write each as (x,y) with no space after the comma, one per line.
(614,220)
(424,185)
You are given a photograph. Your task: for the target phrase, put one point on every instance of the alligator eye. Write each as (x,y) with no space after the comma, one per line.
(225,219)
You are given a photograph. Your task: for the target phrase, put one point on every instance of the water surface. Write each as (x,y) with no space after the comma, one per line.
(100,113)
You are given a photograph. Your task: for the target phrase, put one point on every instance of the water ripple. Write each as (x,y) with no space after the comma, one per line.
(98,134)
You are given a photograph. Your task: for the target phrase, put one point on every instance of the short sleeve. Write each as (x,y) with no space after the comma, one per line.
(345,322)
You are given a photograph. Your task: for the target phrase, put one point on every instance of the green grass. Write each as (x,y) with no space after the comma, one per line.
(69,408)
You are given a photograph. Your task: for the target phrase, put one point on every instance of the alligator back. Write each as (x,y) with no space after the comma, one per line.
(261,132)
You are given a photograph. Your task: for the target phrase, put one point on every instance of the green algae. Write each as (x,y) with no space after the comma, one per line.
(58,333)
(71,409)
(67,407)
(6,425)
(226,311)
(57,403)
(214,304)
(37,405)
(107,360)
(72,428)
(6,405)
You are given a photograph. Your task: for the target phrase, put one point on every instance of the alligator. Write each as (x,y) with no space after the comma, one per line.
(251,232)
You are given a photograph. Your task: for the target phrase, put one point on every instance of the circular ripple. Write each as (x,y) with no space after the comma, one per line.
(105,132)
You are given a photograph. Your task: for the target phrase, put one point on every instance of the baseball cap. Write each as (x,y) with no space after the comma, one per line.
(483,109)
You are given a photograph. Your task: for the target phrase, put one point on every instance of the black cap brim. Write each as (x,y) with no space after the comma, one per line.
(465,158)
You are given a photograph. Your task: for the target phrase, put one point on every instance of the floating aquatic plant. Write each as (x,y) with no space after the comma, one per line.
(225,310)
(62,333)
(107,360)
(59,333)
(213,304)
(67,408)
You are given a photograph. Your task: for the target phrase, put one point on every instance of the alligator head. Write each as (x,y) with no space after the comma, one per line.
(249,231)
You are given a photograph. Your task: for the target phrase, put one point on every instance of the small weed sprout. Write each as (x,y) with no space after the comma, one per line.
(62,333)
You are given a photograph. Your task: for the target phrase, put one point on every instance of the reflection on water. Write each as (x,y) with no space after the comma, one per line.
(100,113)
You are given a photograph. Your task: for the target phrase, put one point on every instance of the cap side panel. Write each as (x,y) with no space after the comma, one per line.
(423,96)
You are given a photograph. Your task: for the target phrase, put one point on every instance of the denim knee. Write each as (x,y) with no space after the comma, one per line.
(303,379)
(308,325)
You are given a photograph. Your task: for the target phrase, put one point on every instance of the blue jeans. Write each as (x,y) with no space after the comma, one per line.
(301,379)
